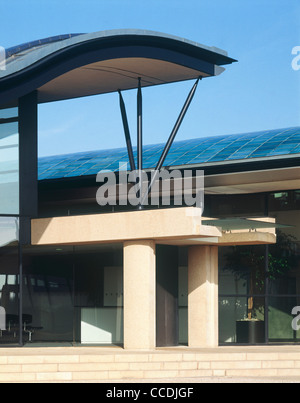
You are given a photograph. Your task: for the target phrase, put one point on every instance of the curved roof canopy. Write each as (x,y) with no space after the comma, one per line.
(76,65)
(201,152)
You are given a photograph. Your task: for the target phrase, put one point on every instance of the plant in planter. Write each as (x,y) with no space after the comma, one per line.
(246,263)
(249,264)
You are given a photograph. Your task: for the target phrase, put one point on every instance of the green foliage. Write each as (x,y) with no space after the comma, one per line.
(246,261)
(249,263)
(283,256)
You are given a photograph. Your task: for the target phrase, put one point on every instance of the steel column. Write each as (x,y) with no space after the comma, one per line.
(140,127)
(172,136)
(177,126)
(127,132)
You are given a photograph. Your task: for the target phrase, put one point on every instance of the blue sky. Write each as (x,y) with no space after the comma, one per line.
(260,92)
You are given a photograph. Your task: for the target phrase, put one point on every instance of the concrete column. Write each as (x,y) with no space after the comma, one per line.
(203,296)
(139,295)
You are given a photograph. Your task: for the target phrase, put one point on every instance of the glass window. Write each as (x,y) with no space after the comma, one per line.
(48,294)
(9,168)
(262,284)
(99,295)
(284,257)
(281,319)
(9,113)
(231,310)
(242,284)
(242,270)
(9,280)
(235,326)
(284,269)
(73,294)
(225,206)
(284,266)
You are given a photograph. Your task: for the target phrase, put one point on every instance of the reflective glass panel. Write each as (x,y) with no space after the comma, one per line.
(242,270)
(283,324)
(9,168)
(284,257)
(99,295)
(9,113)
(73,295)
(235,326)
(48,294)
(9,281)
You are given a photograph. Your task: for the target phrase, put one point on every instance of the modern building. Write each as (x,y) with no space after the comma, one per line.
(74,272)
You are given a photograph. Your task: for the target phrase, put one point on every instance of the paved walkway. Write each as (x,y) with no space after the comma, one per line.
(214,380)
(176,365)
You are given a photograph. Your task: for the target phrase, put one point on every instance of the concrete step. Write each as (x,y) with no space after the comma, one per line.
(96,364)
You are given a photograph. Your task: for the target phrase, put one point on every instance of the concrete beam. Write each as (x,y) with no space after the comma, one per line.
(175,223)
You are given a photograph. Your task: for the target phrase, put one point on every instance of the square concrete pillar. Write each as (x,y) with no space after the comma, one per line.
(139,295)
(203,296)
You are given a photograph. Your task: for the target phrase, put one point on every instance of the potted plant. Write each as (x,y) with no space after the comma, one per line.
(249,264)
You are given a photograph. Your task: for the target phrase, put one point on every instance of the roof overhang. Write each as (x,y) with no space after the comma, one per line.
(105,62)
(260,181)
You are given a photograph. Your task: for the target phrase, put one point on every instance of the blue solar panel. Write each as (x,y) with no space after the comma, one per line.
(190,152)
(41,42)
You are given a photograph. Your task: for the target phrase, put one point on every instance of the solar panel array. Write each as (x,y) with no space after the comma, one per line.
(35,44)
(216,149)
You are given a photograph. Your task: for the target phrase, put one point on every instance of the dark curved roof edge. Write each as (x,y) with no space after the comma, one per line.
(29,71)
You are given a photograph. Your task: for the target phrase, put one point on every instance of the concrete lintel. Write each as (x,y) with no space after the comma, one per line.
(227,239)
(174,223)
(247,238)
(263,236)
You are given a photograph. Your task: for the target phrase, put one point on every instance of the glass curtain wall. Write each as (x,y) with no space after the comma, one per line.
(9,229)
(284,270)
(259,286)
(73,295)
(98,295)
(9,162)
(242,288)
(9,281)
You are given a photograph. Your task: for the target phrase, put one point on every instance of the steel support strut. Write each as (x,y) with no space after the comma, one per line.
(171,138)
(127,132)
(140,127)
(140,138)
